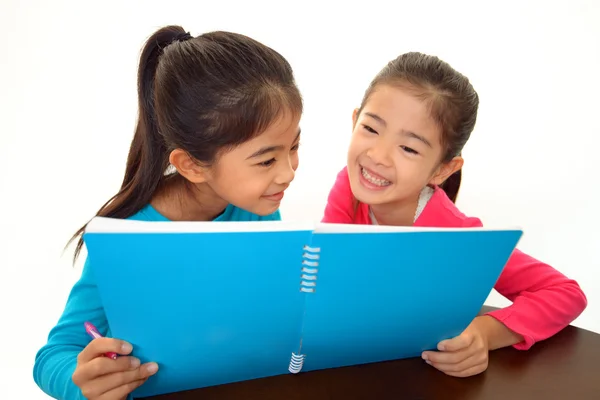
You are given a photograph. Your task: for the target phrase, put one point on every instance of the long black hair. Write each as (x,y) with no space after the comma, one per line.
(200,94)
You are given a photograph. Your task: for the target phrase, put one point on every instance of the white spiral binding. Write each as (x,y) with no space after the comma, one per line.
(296,363)
(310,268)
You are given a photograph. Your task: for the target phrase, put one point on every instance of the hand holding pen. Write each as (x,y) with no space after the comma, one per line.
(105,371)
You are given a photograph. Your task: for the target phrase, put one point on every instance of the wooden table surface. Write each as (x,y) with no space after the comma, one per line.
(564,367)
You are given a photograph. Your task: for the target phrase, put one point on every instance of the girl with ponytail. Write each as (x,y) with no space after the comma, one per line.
(404,168)
(216,140)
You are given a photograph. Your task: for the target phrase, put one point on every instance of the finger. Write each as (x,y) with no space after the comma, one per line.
(456,366)
(122,391)
(448,357)
(106,383)
(459,342)
(98,347)
(474,370)
(123,378)
(100,366)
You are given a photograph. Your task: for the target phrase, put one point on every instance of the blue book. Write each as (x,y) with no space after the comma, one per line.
(221,302)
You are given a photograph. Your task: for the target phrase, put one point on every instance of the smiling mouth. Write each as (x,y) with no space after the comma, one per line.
(373,179)
(274,197)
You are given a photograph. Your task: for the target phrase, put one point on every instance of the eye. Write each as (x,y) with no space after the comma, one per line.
(369,129)
(409,150)
(296,147)
(267,163)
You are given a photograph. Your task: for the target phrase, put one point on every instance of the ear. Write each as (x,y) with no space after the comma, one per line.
(188,167)
(446,169)
(354,117)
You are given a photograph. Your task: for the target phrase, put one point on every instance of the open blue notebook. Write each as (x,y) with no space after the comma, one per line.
(220,302)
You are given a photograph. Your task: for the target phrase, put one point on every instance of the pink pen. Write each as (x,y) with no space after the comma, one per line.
(93,332)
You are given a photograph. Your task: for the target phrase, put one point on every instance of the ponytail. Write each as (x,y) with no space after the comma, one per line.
(452,185)
(204,95)
(148,155)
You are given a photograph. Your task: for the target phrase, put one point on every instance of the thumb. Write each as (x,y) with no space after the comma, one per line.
(459,342)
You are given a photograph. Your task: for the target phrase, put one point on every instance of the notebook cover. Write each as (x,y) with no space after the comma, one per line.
(211,312)
(391,295)
(209,308)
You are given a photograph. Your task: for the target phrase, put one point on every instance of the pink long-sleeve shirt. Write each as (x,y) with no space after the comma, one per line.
(544,301)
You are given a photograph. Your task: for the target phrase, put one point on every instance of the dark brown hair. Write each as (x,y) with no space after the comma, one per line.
(451,99)
(203,95)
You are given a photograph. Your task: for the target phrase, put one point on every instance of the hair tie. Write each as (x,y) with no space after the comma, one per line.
(182,37)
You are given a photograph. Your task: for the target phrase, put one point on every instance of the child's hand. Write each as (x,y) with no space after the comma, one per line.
(465,355)
(101,378)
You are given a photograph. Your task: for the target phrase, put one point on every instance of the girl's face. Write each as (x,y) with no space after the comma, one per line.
(395,149)
(254,175)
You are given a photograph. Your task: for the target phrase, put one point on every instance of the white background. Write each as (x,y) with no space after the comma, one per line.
(68,108)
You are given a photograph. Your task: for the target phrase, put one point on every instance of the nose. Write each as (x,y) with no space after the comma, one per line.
(287,171)
(379,152)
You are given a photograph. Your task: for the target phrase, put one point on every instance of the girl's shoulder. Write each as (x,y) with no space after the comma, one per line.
(441,212)
(148,213)
(231,213)
(342,206)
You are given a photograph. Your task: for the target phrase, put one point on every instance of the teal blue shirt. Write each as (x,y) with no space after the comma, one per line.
(55,362)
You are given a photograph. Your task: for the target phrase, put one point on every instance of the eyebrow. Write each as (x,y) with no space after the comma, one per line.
(270,149)
(403,131)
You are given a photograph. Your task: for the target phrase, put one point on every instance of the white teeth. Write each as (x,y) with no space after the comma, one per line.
(375,181)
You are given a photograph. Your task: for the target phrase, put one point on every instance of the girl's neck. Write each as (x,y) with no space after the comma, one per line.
(402,213)
(179,200)
(395,214)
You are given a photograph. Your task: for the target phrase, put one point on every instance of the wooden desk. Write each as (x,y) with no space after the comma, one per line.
(564,367)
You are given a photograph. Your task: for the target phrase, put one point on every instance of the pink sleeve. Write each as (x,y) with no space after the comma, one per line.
(544,300)
(339,202)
